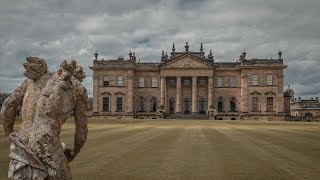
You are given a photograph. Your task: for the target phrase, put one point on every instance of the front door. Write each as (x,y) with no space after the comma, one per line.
(171,106)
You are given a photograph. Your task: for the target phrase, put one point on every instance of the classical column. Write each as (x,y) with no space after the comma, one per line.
(179,94)
(210,91)
(194,95)
(96,96)
(162,91)
(129,102)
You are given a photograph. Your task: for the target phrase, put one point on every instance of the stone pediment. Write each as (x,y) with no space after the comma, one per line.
(186,61)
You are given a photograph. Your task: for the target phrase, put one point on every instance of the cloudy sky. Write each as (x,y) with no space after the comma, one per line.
(74,29)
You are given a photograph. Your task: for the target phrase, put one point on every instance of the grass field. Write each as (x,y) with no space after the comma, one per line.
(185,149)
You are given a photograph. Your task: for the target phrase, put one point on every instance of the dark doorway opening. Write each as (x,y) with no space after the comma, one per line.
(202,104)
(171,106)
(186,106)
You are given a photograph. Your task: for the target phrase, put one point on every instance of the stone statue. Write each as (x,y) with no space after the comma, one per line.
(39,154)
(27,94)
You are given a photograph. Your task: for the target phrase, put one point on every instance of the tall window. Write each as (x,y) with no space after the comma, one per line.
(202,82)
(202,104)
(153,104)
(255,80)
(269,104)
(233,104)
(220,104)
(154,82)
(141,81)
(219,81)
(232,81)
(269,80)
(105,104)
(106,81)
(119,104)
(255,104)
(172,82)
(120,81)
(141,104)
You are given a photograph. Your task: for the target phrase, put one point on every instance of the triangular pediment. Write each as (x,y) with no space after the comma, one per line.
(186,61)
(255,93)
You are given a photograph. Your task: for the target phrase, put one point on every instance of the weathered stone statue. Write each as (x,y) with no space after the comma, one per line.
(27,94)
(39,153)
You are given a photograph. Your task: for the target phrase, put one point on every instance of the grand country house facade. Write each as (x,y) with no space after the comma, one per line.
(189,83)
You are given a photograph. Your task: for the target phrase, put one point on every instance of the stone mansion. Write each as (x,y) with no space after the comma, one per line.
(189,83)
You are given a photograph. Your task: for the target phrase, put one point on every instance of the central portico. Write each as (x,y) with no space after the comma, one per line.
(186,84)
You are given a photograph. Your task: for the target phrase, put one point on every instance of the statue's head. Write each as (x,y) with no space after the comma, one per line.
(67,69)
(35,68)
(80,74)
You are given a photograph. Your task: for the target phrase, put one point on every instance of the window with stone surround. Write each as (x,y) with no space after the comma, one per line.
(233,81)
(105,104)
(220,104)
(269,104)
(255,79)
(106,81)
(119,80)
(119,104)
(153,104)
(154,82)
(269,79)
(141,104)
(233,104)
(220,81)
(141,81)
(255,104)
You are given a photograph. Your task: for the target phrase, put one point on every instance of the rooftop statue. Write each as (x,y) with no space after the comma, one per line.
(39,154)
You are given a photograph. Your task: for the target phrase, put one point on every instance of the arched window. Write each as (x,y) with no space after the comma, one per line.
(153,102)
(220,104)
(233,101)
(187,106)
(202,104)
(171,106)
(141,103)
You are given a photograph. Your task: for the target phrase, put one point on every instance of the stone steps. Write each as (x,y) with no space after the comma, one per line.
(188,116)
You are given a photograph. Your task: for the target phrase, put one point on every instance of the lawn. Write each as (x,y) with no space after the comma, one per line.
(190,149)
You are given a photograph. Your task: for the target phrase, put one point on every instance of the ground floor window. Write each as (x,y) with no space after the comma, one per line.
(119,104)
(233,104)
(220,104)
(187,106)
(255,104)
(105,104)
(202,104)
(141,103)
(153,104)
(269,104)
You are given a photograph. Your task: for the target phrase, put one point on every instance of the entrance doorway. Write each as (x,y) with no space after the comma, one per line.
(202,105)
(186,106)
(171,106)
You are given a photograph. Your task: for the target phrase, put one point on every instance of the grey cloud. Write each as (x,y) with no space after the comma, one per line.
(58,30)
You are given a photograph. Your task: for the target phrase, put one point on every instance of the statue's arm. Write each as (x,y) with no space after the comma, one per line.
(80,117)
(9,107)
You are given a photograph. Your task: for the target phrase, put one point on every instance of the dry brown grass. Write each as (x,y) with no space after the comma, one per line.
(189,149)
